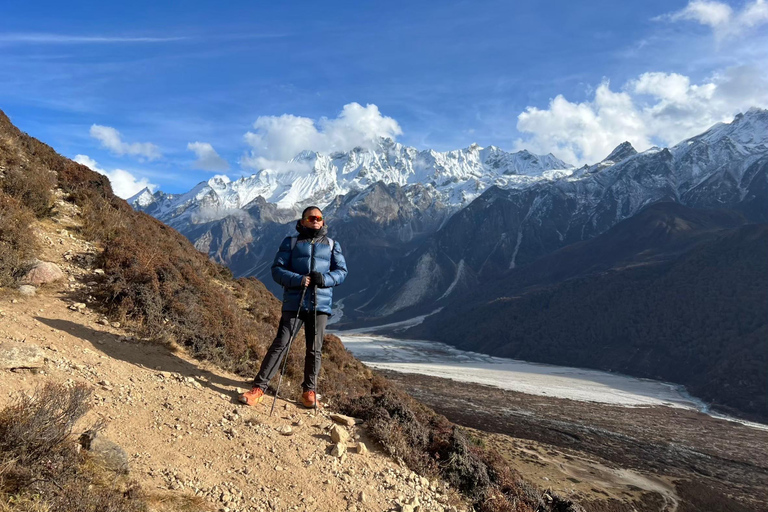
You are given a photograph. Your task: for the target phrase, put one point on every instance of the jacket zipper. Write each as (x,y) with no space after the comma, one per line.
(312,264)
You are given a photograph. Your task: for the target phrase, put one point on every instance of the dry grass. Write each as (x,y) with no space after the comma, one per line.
(40,467)
(18,244)
(698,496)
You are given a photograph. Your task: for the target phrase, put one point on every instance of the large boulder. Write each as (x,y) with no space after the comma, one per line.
(42,273)
(20,355)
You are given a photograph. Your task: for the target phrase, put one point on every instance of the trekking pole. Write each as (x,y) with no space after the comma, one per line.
(294,330)
(317,375)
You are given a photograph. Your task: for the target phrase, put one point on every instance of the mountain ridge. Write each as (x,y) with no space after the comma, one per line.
(673,294)
(725,167)
(311,177)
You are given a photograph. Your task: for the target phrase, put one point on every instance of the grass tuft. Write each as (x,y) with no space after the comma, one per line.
(41,468)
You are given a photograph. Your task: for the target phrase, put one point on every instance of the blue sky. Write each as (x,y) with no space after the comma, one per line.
(134,86)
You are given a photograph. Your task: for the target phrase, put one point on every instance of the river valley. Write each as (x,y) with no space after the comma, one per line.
(609,441)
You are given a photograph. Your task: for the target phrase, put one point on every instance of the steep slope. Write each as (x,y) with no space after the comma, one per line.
(672,294)
(661,232)
(188,444)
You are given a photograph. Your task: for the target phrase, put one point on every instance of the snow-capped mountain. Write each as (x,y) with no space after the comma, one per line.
(725,167)
(457,177)
(620,153)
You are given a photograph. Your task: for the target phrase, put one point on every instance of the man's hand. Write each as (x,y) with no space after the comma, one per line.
(316,278)
(305,281)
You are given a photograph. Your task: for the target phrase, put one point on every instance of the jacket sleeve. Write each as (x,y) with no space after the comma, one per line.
(280,266)
(338,268)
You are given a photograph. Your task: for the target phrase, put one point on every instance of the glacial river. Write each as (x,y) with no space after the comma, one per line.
(441,360)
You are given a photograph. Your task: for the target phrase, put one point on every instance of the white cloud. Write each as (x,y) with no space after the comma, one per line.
(281,138)
(654,108)
(48,38)
(112,140)
(721,17)
(714,14)
(124,184)
(207,157)
(583,132)
(754,14)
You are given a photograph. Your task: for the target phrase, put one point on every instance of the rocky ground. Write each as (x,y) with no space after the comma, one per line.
(604,456)
(178,419)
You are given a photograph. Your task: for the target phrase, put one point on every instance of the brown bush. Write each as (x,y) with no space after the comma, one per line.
(82,182)
(35,425)
(103,220)
(32,186)
(39,466)
(18,244)
(156,279)
(341,375)
(431,445)
(23,175)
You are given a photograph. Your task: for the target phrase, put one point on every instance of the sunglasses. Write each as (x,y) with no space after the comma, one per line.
(314,218)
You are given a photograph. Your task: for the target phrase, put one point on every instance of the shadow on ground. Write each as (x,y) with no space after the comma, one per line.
(149,356)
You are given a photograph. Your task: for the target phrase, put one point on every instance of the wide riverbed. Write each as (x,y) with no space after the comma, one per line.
(440,360)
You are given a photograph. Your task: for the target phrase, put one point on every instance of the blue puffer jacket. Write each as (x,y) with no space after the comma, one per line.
(309,254)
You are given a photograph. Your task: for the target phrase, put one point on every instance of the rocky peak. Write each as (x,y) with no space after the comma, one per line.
(621,152)
(142,199)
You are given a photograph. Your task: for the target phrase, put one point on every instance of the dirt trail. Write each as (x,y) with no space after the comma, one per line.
(178,419)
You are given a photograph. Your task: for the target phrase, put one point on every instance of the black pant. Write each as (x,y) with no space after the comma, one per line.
(314,353)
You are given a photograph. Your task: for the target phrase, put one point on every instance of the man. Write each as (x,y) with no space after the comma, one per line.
(310,259)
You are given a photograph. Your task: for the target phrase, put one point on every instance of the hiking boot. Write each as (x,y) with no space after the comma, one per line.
(252,397)
(308,398)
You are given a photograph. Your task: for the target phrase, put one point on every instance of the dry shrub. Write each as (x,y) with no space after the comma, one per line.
(156,279)
(395,425)
(36,425)
(430,445)
(341,375)
(103,220)
(24,174)
(40,469)
(18,244)
(82,182)
(30,185)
